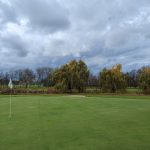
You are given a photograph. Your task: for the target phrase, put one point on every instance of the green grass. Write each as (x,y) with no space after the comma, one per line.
(75,123)
(133,90)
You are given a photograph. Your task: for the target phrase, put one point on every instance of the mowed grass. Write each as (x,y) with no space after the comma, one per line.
(75,123)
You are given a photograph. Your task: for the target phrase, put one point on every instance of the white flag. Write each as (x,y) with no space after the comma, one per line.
(10,85)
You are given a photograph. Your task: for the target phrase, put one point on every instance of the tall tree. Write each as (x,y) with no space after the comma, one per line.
(112,80)
(73,75)
(82,76)
(26,77)
(144,79)
(132,78)
(62,78)
(44,75)
(93,80)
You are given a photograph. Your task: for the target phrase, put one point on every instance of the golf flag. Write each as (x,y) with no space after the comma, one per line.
(10,85)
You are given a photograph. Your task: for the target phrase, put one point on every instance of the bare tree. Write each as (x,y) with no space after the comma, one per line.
(26,77)
(44,74)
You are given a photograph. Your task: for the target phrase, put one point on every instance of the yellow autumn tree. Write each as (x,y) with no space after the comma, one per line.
(112,80)
(144,79)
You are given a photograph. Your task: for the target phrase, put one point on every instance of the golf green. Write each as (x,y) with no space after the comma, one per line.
(75,123)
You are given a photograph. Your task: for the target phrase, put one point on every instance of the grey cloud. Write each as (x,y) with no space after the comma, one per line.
(43,15)
(48,16)
(13,44)
(101,32)
(7,13)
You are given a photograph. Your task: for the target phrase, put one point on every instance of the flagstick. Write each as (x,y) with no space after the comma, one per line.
(10,85)
(10,105)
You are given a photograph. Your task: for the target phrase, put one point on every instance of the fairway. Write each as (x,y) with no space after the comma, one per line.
(75,123)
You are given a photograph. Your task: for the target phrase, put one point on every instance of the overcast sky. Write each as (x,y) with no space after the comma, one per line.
(35,33)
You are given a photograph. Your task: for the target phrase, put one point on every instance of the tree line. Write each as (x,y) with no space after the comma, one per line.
(76,76)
